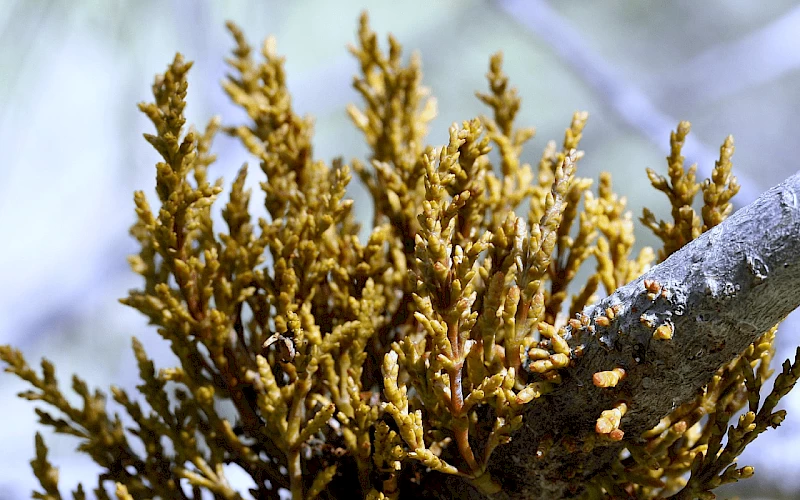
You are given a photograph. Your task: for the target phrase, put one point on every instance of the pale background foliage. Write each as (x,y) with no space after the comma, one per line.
(70,135)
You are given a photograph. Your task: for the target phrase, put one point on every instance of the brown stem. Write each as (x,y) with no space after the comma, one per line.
(461,422)
(188,290)
(295,474)
(294,420)
(390,488)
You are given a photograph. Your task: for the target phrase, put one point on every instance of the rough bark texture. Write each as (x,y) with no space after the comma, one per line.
(720,293)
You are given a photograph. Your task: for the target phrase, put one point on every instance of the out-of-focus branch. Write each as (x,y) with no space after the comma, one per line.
(759,57)
(629,103)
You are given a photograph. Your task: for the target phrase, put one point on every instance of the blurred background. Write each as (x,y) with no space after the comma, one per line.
(71,74)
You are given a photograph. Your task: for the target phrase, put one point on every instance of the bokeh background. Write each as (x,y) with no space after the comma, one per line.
(70,136)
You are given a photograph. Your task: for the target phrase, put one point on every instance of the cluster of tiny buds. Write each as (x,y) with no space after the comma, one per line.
(582,321)
(579,322)
(662,332)
(608,423)
(654,289)
(575,324)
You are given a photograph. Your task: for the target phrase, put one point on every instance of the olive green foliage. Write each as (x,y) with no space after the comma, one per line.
(357,368)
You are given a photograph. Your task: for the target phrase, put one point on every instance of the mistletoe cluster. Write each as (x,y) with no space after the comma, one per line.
(361,368)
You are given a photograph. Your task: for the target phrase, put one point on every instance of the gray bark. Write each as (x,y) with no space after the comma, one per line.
(723,291)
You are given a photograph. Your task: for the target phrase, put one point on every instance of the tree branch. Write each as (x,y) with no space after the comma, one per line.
(718,294)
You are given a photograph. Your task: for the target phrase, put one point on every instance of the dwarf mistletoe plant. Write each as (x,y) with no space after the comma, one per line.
(401,367)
